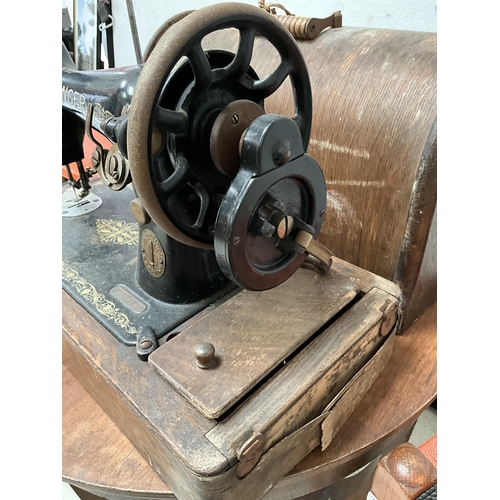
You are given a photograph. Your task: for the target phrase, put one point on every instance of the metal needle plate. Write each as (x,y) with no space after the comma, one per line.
(73,206)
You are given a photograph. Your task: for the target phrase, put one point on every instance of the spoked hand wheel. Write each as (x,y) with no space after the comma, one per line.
(181,139)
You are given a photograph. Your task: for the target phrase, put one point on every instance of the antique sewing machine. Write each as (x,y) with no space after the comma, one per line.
(222,336)
(225,194)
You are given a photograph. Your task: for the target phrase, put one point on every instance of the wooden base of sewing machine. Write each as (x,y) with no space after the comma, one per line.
(273,405)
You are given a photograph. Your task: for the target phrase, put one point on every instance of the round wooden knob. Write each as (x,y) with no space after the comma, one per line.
(204,355)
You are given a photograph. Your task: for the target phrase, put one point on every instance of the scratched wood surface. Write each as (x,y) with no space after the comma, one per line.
(424,292)
(98,457)
(286,402)
(173,436)
(253,333)
(374,134)
(405,388)
(113,374)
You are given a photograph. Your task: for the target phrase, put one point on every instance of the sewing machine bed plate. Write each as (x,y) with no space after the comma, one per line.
(99,258)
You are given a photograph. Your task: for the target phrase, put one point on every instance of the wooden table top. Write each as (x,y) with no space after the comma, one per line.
(97,457)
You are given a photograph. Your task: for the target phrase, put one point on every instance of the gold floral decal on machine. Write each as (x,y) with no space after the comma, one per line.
(117,231)
(98,300)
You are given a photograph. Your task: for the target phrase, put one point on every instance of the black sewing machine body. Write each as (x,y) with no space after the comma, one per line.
(219,182)
(129,286)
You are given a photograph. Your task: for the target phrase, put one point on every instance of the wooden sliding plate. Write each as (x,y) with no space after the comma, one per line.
(252,333)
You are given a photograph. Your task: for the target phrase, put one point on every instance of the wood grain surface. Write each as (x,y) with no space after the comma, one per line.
(121,385)
(97,457)
(252,333)
(405,388)
(309,381)
(138,400)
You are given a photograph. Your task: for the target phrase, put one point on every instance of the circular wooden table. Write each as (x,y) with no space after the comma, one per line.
(97,458)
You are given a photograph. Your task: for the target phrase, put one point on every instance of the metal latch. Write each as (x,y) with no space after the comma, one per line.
(316,249)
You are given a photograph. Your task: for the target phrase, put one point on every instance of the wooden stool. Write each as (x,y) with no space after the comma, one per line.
(98,459)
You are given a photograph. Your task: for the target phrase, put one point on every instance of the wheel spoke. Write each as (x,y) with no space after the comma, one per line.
(178,179)
(172,121)
(207,208)
(201,67)
(264,88)
(299,120)
(239,65)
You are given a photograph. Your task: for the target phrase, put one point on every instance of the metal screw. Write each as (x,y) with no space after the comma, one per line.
(282,153)
(95,159)
(322,213)
(205,355)
(236,240)
(390,317)
(114,167)
(235,119)
(146,344)
(249,454)
(285,227)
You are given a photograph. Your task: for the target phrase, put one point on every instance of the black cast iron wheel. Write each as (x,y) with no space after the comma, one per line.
(178,96)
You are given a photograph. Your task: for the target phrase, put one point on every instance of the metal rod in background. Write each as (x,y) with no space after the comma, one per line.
(135,33)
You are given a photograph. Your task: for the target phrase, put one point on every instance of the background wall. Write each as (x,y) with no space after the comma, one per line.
(416,15)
